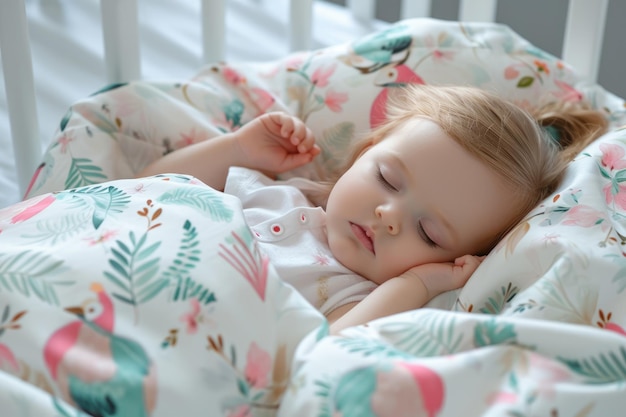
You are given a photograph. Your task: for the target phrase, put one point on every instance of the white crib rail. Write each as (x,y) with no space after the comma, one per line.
(120,29)
(582,46)
(20,90)
(584,33)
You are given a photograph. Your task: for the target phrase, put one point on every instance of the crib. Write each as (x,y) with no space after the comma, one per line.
(538,329)
(581,48)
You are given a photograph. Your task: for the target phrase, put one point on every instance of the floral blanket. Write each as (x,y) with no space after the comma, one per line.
(131,297)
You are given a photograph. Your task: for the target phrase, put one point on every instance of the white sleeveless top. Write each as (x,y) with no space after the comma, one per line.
(292,232)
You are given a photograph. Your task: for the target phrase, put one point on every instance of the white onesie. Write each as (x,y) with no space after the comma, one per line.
(291,231)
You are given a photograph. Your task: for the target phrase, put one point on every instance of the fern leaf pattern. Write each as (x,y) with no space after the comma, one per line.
(103,199)
(496,303)
(56,230)
(83,172)
(134,270)
(436,335)
(370,347)
(494,332)
(207,201)
(602,368)
(178,273)
(29,273)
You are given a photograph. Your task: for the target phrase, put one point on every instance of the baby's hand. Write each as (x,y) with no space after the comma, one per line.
(276,142)
(442,277)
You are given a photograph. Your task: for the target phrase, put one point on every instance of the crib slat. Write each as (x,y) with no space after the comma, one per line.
(415,8)
(477,10)
(300,24)
(120,29)
(584,31)
(363,10)
(213,30)
(20,90)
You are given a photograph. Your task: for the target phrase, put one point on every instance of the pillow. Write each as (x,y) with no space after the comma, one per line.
(338,91)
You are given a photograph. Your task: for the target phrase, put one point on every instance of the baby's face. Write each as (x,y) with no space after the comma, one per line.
(416,197)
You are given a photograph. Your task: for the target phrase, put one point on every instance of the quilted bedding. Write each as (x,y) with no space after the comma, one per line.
(148,296)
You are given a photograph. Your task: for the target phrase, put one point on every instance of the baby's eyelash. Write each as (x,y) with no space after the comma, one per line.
(383,181)
(425,237)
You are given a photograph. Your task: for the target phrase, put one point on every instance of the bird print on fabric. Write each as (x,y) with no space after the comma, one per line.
(96,370)
(388,78)
(371,53)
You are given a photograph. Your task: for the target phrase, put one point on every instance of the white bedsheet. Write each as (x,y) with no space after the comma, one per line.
(67,51)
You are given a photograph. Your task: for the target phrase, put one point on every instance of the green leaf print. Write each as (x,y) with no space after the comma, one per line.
(435,336)
(59,406)
(496,303)
(525,82)
(324,391)
(59,229)
(602,368)
(109,87)
(134,270)
(29,273)
(66,119)
(178,273)
(103,199)
(205,200)
(368,347)
(83,172)
(493,332)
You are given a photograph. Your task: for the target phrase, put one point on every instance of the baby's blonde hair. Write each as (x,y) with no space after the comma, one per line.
(529,150)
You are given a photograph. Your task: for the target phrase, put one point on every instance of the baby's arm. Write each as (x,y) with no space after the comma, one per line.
(409,291)
(272,143)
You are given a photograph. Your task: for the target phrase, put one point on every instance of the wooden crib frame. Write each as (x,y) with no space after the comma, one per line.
(581,48)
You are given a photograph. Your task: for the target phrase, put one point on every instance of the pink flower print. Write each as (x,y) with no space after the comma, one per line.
(334,100)
(7,359)
(567,92)
(64,141)
(233,77)
(104,237)
(510,72)
(192,318)
(437,54)
(294,62)
(321,75)
(258,366)
(616,197)
(583,216)
(408,390)
(613,156)
(242,410)
(502,398)
(192,137)
(321,259)
(542,66)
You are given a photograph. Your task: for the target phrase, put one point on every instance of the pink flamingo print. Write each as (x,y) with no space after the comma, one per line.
(387,78)
(96,370)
